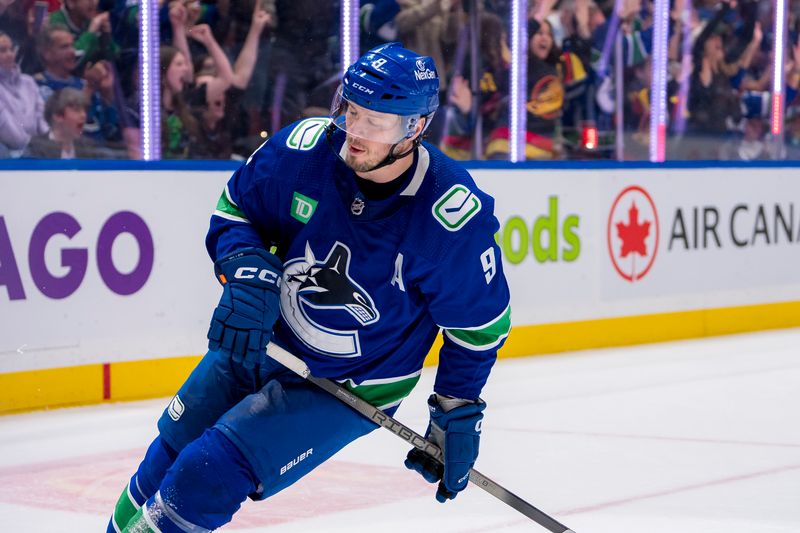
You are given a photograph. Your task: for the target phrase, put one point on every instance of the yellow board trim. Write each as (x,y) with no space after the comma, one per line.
(152,378)
(641,329)
(53,387)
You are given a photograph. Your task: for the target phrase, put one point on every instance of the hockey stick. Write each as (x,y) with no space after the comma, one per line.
(299,367)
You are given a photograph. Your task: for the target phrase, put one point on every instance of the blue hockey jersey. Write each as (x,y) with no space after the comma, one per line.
(368,284)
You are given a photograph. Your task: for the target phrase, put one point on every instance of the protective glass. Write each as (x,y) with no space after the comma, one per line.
(371,125)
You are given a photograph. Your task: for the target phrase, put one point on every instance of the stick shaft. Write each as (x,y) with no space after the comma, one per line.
(380,418)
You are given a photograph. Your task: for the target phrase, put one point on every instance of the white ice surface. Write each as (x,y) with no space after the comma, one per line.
(688,437)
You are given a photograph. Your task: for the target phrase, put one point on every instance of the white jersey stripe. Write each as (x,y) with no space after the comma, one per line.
(228,216)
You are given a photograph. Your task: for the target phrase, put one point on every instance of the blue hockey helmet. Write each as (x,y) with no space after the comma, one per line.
(393,80)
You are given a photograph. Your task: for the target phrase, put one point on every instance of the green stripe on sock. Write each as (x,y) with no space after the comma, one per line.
(124,510)
(138,524)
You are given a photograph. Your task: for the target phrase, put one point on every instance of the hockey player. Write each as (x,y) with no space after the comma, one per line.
(351,243)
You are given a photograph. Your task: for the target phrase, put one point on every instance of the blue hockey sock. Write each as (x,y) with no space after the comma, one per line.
(142,484)
(157,460)
(206,485)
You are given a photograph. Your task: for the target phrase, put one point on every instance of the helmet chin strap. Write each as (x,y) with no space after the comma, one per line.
(390,158)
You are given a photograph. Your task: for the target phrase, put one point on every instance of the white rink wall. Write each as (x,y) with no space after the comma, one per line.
(99,267)
(170,299)
(715,237)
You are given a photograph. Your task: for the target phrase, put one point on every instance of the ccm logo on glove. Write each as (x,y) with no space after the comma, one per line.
(249,306)
(263,274)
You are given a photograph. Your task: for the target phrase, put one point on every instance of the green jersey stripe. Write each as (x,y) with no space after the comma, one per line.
(482,337)
(384,381)
(227,208)
(384,395)
(227,193)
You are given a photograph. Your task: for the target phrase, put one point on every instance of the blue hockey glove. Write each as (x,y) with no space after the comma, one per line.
(242,322)
(457,432)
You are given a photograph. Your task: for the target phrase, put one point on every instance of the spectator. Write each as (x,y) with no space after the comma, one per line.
(431,28)
(65,111)
(249,109)
(21,106)
(545,92)
(216,66)
(635,25)
(240,19)
(302,59)
(12,18)
(214,140)
(545,98)
(577,19)
(90,30)
(752,146)
(756,107)
(179,17)
(196,12)
(178,126)
(124,19)
(105,122)
(792,134)
(636,114)
(219,88)
(377,23)
(571,28)
(428,27)
(21,20)
(59,60)
(493,91)
(714,104)
(181,129)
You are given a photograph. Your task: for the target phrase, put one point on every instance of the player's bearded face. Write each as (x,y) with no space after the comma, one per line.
(370,136)
(363,155)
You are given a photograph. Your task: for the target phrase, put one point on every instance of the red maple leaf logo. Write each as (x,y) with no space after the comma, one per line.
(633,234)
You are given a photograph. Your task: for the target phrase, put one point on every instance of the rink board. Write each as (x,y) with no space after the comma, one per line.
(106,289)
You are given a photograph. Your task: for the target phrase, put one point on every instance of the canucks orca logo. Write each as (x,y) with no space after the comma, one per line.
(325,287)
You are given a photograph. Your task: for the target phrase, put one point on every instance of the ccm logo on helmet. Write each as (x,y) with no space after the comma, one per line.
(253,272)
(362,88)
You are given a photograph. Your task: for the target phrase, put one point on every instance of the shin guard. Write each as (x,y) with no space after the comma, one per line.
(204,488)
(142,484)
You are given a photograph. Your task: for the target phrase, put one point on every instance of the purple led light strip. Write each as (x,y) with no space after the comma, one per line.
(349,13)
(658,89)
(777,73)
(149,81)
(519,76)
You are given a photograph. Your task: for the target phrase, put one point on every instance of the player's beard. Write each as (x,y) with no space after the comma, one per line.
(365,161)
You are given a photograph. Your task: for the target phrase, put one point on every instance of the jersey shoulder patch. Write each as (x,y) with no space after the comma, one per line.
(456,207)
(307,133)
